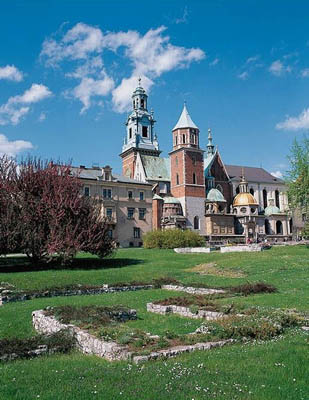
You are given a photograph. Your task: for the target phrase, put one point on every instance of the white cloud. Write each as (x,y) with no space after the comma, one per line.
(184,18)
(18,106)
(11,73)
(42,117)
(295,123)
(122,94)
(305,73)
(36,93)
(244,75)
(252,59)
(90,87)
(214,62)
(150,55)
(277,68)
(13,148)
(277,174)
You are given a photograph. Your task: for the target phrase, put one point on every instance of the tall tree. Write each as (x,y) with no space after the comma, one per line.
(298,177)
(44,215)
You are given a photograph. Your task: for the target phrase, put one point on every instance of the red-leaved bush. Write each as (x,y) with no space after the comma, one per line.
(43,214)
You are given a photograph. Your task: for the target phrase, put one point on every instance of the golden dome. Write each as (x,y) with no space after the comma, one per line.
(244,199)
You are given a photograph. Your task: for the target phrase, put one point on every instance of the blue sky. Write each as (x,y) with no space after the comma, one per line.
(67,69)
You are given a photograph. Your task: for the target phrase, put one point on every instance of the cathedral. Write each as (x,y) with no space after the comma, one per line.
(194,189)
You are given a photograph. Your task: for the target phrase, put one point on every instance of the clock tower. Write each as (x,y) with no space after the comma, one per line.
(140,133)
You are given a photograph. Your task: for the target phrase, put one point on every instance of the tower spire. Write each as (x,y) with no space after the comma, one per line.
(243,184)
(210,146)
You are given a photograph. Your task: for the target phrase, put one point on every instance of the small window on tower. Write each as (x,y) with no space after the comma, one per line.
(177,179)
(176,141)
(145,131)
(194,178)
(142,103)
(130,133)
(183,138)
(176,161)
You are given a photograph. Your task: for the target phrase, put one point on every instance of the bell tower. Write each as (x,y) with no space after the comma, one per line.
(140,133)
(187,170)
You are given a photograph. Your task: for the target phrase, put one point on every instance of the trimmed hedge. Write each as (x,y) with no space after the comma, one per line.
(172,238)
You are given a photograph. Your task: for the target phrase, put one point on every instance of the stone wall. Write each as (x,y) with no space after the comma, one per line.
(192,290)
(111,351)
(85,342)
(250,248)
(183,311)
(11,296)
(192,250)
(174,351)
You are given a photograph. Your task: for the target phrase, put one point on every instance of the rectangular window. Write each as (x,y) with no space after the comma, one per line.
(145,131)
(141,195)
(86,191)
(109,213)
(107,193)
(130,194)
(130,133)
(141,213)
(136,233)
(130,213)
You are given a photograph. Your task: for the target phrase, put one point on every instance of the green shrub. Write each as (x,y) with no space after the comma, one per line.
(172,238)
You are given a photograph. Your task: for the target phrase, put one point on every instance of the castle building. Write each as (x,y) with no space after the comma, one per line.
(191,189)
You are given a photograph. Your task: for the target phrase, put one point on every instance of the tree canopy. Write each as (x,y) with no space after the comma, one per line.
(298,175)
(44,215)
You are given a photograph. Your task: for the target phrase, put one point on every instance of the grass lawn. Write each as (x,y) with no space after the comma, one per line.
(277,369)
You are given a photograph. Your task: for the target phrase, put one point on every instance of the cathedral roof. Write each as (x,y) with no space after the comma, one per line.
(215,195)
(185,120)
(270,210)
(96,174)
(171,200)
(252,174)
(156,168)
(244,199)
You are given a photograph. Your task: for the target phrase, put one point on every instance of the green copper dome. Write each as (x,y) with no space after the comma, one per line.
(215,195)
(171,200)
(272,210)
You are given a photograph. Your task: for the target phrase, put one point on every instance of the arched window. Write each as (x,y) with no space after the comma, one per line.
(196,223)
(177,179)
(291,226)
(194,178)
(252,191)
(279,229)
(183,138)
(267,227)
(264,198)
(142,103)
(277,198)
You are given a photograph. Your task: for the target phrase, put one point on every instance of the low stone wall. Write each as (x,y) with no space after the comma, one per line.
(185,250)
(192,290)
(175,351)
(183,311)
(10,296)
(40,350)
(249,247)
(85,342)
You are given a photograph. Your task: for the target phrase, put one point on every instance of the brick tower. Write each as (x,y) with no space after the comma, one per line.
(187,171)
(140,135)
